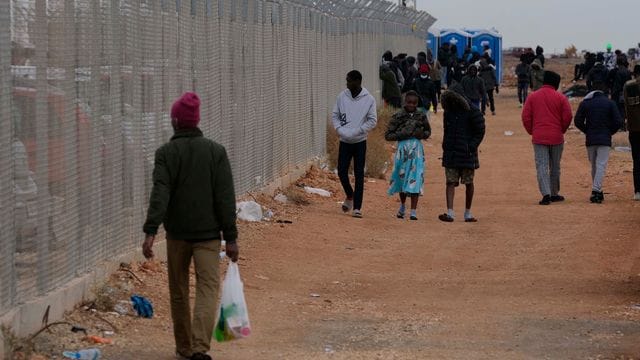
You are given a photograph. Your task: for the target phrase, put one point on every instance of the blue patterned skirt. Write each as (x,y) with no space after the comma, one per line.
(408,168)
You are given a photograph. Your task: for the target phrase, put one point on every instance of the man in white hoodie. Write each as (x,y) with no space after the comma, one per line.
(354,115)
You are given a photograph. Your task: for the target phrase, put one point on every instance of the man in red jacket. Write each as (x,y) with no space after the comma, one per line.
(546,117)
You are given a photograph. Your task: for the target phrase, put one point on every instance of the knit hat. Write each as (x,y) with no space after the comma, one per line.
(185,112)
(551,78)
(424,69)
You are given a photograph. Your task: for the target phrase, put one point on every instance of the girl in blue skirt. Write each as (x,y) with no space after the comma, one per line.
(408,127)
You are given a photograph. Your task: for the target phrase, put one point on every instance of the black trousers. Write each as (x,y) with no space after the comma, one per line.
(492,103)
(357,152)
(634,140)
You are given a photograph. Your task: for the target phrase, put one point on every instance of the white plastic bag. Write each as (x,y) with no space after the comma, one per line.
(233,316)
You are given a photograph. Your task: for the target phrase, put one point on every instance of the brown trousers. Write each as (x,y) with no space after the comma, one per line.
(193,335)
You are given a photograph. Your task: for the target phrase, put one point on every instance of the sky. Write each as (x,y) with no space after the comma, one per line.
(552,24)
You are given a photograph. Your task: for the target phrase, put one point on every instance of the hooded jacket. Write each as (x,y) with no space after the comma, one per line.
(192,192)
(353,118)
(390,88)
(537,75)
(473,86)
(598,73)
(488,74)
(463,132)
(599,118)
(404,125)
(547,116)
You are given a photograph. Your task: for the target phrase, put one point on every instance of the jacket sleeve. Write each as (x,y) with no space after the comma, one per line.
(567,115)
(580,119)
(335,116)
(616,119)
(527,117)
(160,194)
(224,197)
(391,133)
(478,129)
(372,118)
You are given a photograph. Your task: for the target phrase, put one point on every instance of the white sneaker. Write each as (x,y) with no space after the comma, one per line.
(347,205)
(357,213)
(636,196)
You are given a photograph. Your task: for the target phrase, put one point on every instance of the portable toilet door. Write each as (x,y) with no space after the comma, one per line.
(494,41)
(459,38)
(433,40)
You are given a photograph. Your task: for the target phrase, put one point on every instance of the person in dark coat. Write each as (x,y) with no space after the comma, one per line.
(598,118)
(426,89)
(631,95)
(473,85)
(488,74)
(412,74)
(463,132)
(598,73)
(193,197)
(540,55)
(617,78)
(523,73)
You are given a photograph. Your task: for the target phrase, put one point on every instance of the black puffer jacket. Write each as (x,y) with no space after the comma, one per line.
(463,132)
(598,118)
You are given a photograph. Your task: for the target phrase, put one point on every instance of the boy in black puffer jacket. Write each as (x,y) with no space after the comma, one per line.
(463,132)
(598,118)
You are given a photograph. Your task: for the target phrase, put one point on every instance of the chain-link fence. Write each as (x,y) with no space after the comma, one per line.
(85,90)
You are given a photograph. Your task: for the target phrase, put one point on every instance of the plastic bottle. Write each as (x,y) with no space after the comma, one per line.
(86,354)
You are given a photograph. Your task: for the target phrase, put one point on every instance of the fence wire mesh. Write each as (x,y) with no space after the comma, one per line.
(85,90)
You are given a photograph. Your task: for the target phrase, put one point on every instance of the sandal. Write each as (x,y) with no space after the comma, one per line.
(445,217)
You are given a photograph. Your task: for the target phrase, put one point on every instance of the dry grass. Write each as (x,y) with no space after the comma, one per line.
(377,147)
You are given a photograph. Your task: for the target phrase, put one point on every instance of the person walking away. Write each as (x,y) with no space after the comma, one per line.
(390,90)
(435,73)
(193,197)
(445,57)
(523,73)
(631,95)
(540,55)
(426,90)
(537,75)
(473,86)
(408,127)
(488,75)
(412,74)
(353,117)
(463,132)
(598,118)
(546,117)
(598,73)
(618,77)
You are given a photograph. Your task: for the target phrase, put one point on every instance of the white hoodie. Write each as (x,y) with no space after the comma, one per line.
(354,118)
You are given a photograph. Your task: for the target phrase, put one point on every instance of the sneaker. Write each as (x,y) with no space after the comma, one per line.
(347,204)
(546,200)
(636,196)
(594,197)
(357,213)
(413,217)
(520,106)
(200,356)
(556,198)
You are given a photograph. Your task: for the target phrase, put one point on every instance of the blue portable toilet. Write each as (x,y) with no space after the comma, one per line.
(433,41)
(460,38)
(493,39)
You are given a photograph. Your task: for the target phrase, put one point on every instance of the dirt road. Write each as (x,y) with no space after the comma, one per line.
(525,282)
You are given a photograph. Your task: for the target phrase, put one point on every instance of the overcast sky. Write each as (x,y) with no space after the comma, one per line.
(553,24)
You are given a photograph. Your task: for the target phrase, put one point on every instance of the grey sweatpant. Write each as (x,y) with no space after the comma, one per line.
(598,156)
(548,167)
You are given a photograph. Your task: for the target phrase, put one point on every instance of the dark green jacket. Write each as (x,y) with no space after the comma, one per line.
(192,191)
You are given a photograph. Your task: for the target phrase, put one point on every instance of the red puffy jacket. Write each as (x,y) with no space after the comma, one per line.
(547,116)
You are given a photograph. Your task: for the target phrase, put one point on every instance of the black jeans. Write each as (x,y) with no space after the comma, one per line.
(492,104)
(523,91)
(634,140)
(438,84)
(345,154)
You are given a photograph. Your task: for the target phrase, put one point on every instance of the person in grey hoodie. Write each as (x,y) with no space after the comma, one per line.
(353,116)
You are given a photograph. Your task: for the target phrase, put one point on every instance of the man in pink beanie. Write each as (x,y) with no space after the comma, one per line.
(193,197)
